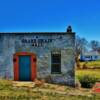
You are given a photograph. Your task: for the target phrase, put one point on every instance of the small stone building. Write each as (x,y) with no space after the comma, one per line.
(26,56)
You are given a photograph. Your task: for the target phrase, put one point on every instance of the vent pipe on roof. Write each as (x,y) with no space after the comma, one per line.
(69,29)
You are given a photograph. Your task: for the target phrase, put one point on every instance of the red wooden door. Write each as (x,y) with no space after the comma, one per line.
(16,64)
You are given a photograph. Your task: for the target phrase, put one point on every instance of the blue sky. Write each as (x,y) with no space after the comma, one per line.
(51,15)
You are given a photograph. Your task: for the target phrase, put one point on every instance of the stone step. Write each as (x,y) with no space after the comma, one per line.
(23,84)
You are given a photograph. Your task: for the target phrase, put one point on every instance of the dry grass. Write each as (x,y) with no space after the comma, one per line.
(44,92)
(90,72)
(91,64)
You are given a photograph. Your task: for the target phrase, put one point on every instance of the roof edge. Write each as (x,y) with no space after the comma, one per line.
(37,32)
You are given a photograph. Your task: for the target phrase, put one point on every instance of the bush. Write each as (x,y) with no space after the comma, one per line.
(87,81)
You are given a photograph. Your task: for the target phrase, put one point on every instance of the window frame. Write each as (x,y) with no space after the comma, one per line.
(53,63)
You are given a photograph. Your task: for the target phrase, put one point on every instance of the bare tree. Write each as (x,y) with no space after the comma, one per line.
(95,45)
(80,46)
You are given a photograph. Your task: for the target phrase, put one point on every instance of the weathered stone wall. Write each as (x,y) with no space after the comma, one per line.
(12,43)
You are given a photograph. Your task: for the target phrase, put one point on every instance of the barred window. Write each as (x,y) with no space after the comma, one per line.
(55,62)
